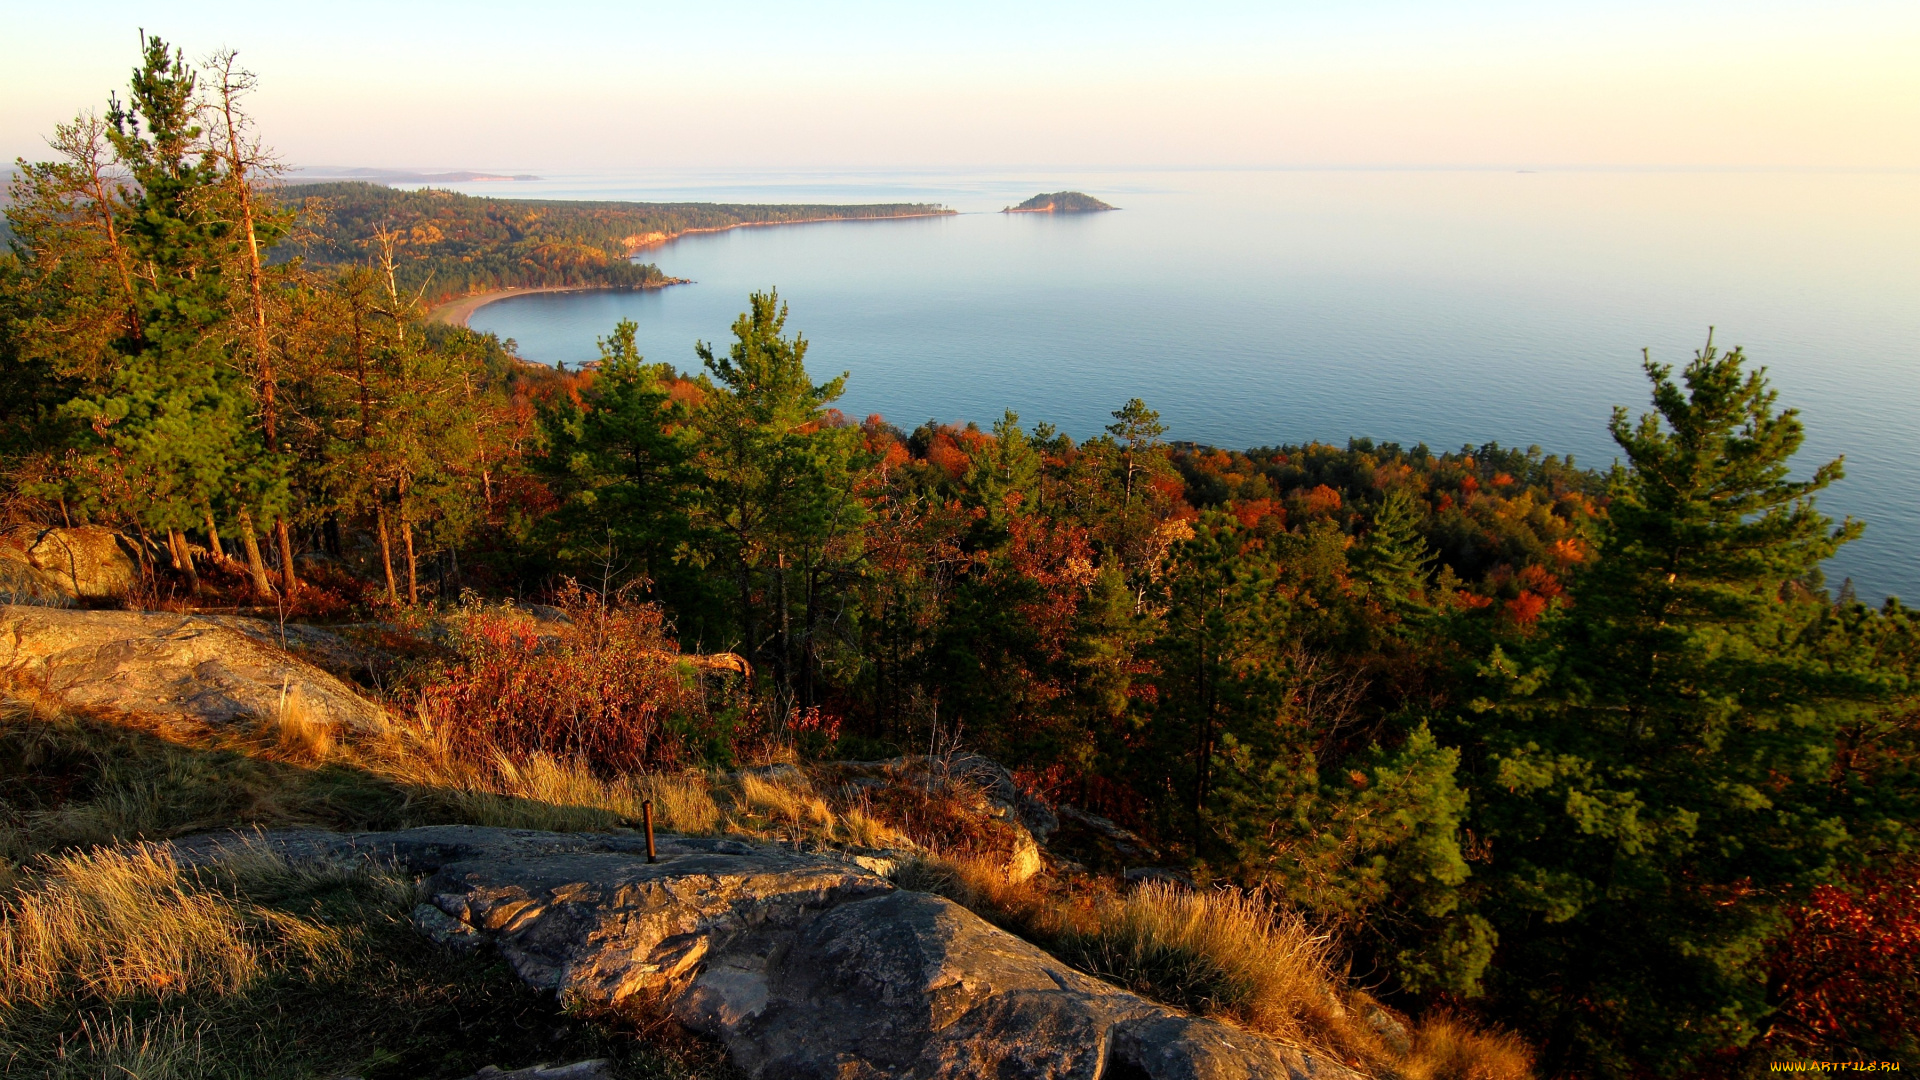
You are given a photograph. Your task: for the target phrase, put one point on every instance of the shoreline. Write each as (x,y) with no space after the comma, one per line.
(458,311)
(654,240)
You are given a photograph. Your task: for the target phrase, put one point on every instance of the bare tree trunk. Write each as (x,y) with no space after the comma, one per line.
(786,630)
(289,584)
(256,566)
(213,537)
(183,559)
(386,556)
(234,83)
(413,567)
(84,144)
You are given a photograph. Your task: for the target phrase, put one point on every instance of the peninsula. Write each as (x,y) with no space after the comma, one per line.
(1060,202)
(451,247)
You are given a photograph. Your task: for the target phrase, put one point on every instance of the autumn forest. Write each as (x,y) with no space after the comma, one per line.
(1594,755)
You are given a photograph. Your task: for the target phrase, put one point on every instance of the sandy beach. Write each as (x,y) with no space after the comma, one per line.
(457,312)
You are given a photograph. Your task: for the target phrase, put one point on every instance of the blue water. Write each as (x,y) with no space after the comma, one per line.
(1256,308)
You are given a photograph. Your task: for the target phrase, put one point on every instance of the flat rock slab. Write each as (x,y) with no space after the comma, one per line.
(216,669)
(806,967)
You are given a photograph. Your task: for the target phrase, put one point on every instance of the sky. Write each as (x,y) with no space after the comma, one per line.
(574,86)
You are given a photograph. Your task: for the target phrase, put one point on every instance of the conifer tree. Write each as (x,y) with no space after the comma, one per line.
(1655,776)
(621,456)
(1393,558)
(170,422)
(776,494)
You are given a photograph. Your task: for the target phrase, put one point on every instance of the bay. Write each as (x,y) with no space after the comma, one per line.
(1264,307)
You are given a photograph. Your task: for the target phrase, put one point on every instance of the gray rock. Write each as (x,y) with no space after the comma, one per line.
(804,966)
(215,669)
(597,1069)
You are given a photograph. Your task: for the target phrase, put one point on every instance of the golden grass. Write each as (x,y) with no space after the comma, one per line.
(787,800)
(299,732)
(103,924)
(1446,1048)
(866,830)
(1221,953)
(1229,953)
(115,922)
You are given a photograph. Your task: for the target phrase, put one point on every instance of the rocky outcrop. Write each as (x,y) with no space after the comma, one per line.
(803,966)
(214,669)
(55,567)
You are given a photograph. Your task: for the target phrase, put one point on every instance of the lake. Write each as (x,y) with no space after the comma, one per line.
(1263,307)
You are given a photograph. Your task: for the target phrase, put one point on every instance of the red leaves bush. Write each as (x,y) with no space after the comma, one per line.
(608,688)
(1846,972)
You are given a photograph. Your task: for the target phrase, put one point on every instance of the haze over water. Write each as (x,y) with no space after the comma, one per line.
(1264,307)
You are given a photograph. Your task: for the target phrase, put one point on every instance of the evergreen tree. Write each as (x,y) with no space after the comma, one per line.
(620,456)
(1393,559)
(1655,780)
(776,492)
(170,424)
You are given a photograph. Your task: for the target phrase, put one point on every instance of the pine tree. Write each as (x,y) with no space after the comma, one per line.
(1655,773)
(621,456)
(776,492)
(1393,559)
(170,425)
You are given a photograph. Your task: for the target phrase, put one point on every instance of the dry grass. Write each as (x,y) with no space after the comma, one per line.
(1446,1048)
(299,732)
(162,1048)
(788,801)
(1220,953)
(866,830)
(111,923)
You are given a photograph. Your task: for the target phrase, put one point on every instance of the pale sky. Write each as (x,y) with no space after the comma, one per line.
(576,86)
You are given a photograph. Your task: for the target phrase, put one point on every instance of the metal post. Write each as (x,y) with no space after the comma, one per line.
(646,814)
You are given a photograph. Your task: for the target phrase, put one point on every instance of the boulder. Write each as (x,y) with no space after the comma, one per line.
(215,669)
(39,565)
(802,965)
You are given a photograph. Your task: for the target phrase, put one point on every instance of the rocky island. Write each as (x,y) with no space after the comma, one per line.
(1060,202)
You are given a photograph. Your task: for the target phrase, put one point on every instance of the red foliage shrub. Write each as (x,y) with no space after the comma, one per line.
(1846,970)
(608,688)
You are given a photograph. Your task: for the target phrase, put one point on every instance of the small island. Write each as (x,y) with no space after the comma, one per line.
(1060,202)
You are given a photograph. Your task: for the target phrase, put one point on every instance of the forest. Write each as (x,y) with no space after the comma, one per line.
(1597,756)
(442,244)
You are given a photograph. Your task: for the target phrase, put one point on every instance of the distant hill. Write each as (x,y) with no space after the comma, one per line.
(453,245)
(1059,202)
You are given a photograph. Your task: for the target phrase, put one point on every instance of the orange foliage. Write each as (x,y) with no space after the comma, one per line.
(1468,485)
(1321,500)
(1846,968)
(1567,552)
(1526,607)
(944,451)
(1253,511)
(1502,479)
(1539,580)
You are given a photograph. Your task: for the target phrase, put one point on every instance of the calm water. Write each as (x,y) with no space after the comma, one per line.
(1257,308)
